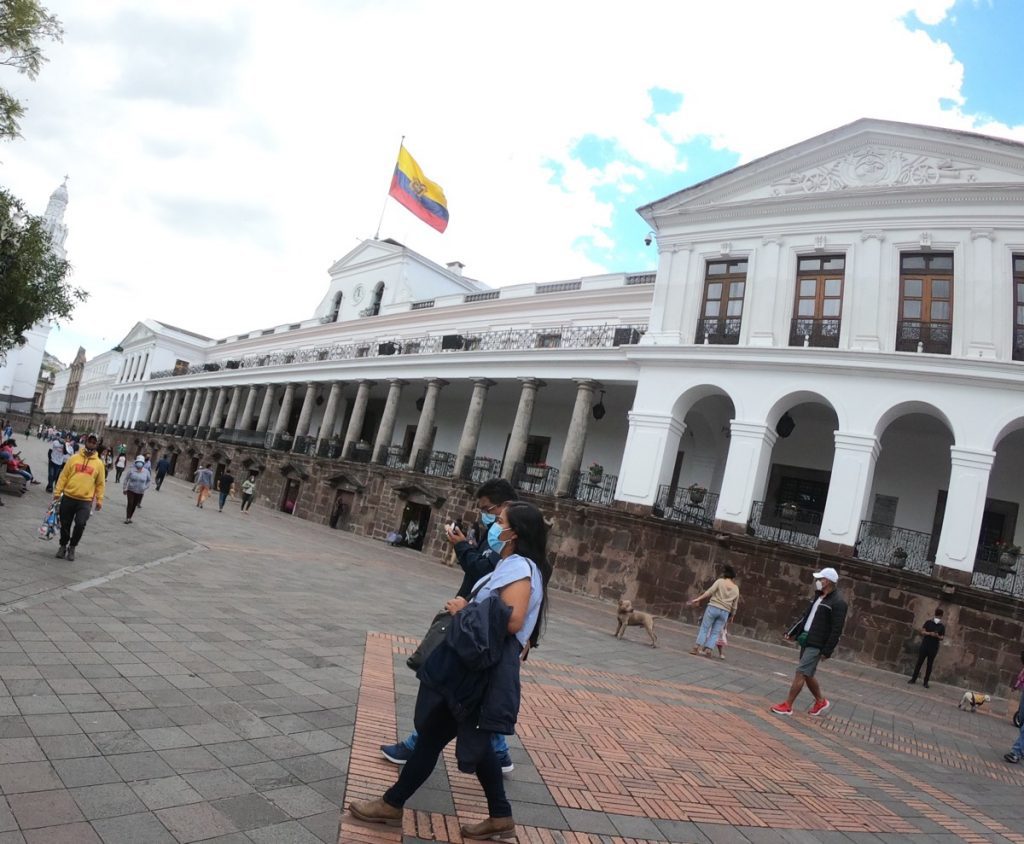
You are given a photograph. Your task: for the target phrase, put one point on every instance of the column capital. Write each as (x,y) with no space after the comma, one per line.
(752,431)
(971,458)
(536,383)
(986,234)
(872,234)
(588,384)
(772,240)
(863,443)
(368,382)
(483,382)
(437,382)
(397,382)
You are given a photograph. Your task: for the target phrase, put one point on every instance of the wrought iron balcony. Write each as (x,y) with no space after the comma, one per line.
(331,449)
(721,331)
(1018,344)
(189,432)
(786,523)
(894,547)
(593,489)
(440,464)
(278,442)
(481,469)
(690,506)
(818,333)
(359,452)
(540,480)
(303,445)
(203,432)
(935,338)
(392,456)
(999,570)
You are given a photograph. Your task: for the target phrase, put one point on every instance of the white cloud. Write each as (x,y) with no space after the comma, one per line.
(224,154)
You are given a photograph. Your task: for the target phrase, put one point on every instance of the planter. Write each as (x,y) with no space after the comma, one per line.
(535,471)
(697,496)
(595,477)
(899,562)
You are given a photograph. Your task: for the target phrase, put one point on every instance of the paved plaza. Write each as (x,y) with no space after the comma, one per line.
(205,676)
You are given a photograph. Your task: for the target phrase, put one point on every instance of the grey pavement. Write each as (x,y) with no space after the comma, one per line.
(195,676)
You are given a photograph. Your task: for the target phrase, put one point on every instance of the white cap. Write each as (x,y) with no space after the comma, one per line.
(827,574)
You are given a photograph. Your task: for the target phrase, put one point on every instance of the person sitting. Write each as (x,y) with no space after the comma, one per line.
(15,466)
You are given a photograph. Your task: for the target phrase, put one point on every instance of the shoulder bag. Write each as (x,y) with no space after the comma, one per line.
(436,632)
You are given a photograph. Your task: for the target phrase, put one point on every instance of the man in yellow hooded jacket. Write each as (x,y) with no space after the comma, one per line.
(81,482)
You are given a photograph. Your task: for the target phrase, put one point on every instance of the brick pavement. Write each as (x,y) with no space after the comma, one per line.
(204,676)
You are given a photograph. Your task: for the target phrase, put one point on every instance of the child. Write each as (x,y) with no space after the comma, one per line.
(1018,685)
(723,640)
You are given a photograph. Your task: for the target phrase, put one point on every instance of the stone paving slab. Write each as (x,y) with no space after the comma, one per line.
(205,676)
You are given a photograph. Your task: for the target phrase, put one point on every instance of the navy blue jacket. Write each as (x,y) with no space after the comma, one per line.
(476,561)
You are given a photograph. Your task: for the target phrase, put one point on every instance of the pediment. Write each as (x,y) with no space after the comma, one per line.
(289,469)
(366,252)
(416,494)
(346,483)
(865,156)
(140,333)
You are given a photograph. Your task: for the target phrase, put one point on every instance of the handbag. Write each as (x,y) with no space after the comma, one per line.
(436,632)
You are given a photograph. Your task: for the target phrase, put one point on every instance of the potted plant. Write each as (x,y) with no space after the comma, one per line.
(899,557)
(697,493)
(788,510)
(1008,556)
(537,470)
(596,472)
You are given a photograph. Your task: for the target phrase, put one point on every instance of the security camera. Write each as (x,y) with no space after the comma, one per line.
(647,240)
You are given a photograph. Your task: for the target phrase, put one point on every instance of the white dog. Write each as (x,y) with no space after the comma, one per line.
(972,700)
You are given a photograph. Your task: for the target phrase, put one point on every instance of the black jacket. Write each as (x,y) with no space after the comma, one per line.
(827,626)
(476,561)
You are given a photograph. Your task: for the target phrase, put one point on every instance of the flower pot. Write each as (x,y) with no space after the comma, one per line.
(899,562)
(595,477)
(697,495)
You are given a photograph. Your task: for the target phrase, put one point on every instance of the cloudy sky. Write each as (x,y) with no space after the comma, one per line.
(223,153)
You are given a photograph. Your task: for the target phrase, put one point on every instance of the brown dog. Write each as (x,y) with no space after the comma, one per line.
(629,617)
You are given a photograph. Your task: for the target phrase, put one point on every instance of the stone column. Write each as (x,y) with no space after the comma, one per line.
(197,406)
(174,407)
(746,471)
(576,438)
(186,405)
(358,417)
(853,470)
(302,428)
(652,443)
(965,505)
(154,409)
(284,414)
(204,415)
(245,420)
(263,423)
(236,399)
(521,426)
(327,425)
(218,409)
(471,429)
(387,422)
(425,425)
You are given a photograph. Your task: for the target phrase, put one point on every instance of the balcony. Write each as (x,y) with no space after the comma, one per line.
(681,504)
(894,547)
(481,469)
(998,570)
(278,442)
(539,480)
(934,338)
(329,449)
(786,523)
(817,333)
(718,331)
(593,489)
(360,452)
(303,445)
(393,456)
(1018,344)
(440,464)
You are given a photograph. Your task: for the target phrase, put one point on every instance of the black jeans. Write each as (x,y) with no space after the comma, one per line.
(159,480)
(52,473)
(923,655)
(134,500)
(246,501)
(77,511)
(439,728)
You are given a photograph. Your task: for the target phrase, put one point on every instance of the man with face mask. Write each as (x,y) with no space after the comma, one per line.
(817,632)
(81,482)
(933,632)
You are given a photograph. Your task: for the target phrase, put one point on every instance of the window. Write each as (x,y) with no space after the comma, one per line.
(819,301)
(378,298)
(335,308)
(411,349)
(549,341)
(1018,307)
(722,309)
(363,351)
(536,450)
(180,367)
(926,303)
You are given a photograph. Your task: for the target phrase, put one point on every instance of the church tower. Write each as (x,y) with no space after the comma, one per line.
(54,218)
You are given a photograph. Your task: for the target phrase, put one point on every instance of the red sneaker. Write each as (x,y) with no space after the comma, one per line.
(819,707)
(782,709)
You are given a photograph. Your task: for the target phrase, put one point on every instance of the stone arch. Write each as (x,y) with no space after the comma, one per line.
(795,398)
(1008,427)
(908,407)
(691,396)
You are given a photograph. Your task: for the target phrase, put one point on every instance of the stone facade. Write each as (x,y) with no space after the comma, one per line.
(622,550)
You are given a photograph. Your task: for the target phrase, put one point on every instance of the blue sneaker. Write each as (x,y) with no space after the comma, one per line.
(506,762)
(398,753)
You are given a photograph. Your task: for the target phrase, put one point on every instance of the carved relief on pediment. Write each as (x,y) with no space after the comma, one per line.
(875,167)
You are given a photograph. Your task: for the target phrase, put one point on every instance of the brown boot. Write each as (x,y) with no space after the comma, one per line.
(375,811)
(492,829)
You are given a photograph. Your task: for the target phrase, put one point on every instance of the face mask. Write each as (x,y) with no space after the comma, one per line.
(493,538)
(819,585)
(937,620)
(487,519)
(90,449)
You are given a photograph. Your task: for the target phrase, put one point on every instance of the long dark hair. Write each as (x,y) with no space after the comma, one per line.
(531,542)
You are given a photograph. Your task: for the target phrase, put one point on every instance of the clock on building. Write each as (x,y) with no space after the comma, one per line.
(357,293)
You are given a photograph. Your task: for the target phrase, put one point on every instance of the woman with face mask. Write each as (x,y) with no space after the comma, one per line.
(468,700)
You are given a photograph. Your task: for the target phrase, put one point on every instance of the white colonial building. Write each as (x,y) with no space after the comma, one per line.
(827,356)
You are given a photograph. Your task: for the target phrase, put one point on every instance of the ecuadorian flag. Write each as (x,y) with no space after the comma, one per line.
(417,193)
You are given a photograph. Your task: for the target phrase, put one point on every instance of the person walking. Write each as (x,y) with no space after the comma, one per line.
(1018,685)
(163,466)
(80,487)
(474,673)
(722,596)
(136,482)
(227,484)
(248,492)
(817,632)
(119,466)
(55,462)
(933,631)
(204,481)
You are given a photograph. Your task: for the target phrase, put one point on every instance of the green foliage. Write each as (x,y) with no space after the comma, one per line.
(23,24)
(33,283)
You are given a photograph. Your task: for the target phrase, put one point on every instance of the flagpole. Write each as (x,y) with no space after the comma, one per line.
(380,222)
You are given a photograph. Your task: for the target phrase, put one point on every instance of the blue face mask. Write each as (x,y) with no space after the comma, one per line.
(487,519)
(493,533)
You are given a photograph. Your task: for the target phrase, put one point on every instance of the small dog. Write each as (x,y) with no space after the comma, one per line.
(972,700)
(629,617)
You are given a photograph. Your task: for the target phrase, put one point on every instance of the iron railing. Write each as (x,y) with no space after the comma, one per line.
(329,449)
(998,570)
(360,453)
(894,547)
(785,522)
(935,338)
(203,432)
(392,456)
(681,504)
(512,339)
(593,489)
(189,432)
(303,445)
(440,464)
(540,480)
(819,333)
(278,442)
(721,331)
(481,469)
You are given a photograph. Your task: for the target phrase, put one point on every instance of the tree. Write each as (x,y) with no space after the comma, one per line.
(32,277)
(23,24)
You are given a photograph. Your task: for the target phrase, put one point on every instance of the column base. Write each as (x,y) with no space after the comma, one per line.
(957,577)
(730,527)
(836,548)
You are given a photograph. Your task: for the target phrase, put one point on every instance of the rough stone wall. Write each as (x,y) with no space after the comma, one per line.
(609,552)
